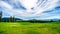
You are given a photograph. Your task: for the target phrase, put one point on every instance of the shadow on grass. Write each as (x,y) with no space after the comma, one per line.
(3,32)
(56,28)
(32,32)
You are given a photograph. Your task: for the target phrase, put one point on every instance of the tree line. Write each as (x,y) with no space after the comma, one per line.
(13,19)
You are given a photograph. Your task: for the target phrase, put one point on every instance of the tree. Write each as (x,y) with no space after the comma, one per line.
(12,19)
(59,20)
(0,16)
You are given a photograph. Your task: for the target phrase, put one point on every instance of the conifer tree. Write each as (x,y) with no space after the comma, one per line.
(0,16)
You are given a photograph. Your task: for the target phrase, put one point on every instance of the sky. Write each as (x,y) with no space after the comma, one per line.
(31,9)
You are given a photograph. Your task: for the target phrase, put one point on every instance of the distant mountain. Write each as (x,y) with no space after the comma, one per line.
(55,19)
(7,19)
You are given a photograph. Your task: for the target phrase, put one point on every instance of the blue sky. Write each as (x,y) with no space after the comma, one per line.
(31,9)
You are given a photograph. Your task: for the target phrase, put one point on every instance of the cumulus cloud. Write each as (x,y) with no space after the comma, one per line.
(30,9)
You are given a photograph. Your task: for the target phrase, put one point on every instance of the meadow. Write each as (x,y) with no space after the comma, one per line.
(29,28)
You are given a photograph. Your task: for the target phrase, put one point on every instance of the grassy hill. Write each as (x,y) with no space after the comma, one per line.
(29,28)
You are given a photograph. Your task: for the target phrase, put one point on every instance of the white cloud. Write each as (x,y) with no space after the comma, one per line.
(6,5)
(36,12)
(28,3)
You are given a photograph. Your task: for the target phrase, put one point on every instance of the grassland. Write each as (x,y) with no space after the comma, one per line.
(29,28)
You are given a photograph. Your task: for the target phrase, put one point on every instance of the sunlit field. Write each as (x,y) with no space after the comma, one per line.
(29,28)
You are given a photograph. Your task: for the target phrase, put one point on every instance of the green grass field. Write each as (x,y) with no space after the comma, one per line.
(29,28)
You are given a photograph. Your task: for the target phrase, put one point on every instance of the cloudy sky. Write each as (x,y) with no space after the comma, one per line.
(31,9)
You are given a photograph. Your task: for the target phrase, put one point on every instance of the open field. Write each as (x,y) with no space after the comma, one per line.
(29,28)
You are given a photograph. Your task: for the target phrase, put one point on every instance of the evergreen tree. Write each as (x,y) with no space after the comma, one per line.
(0,16)
(12,19)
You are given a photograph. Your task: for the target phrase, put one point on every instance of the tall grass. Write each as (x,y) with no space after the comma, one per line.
(29,28)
